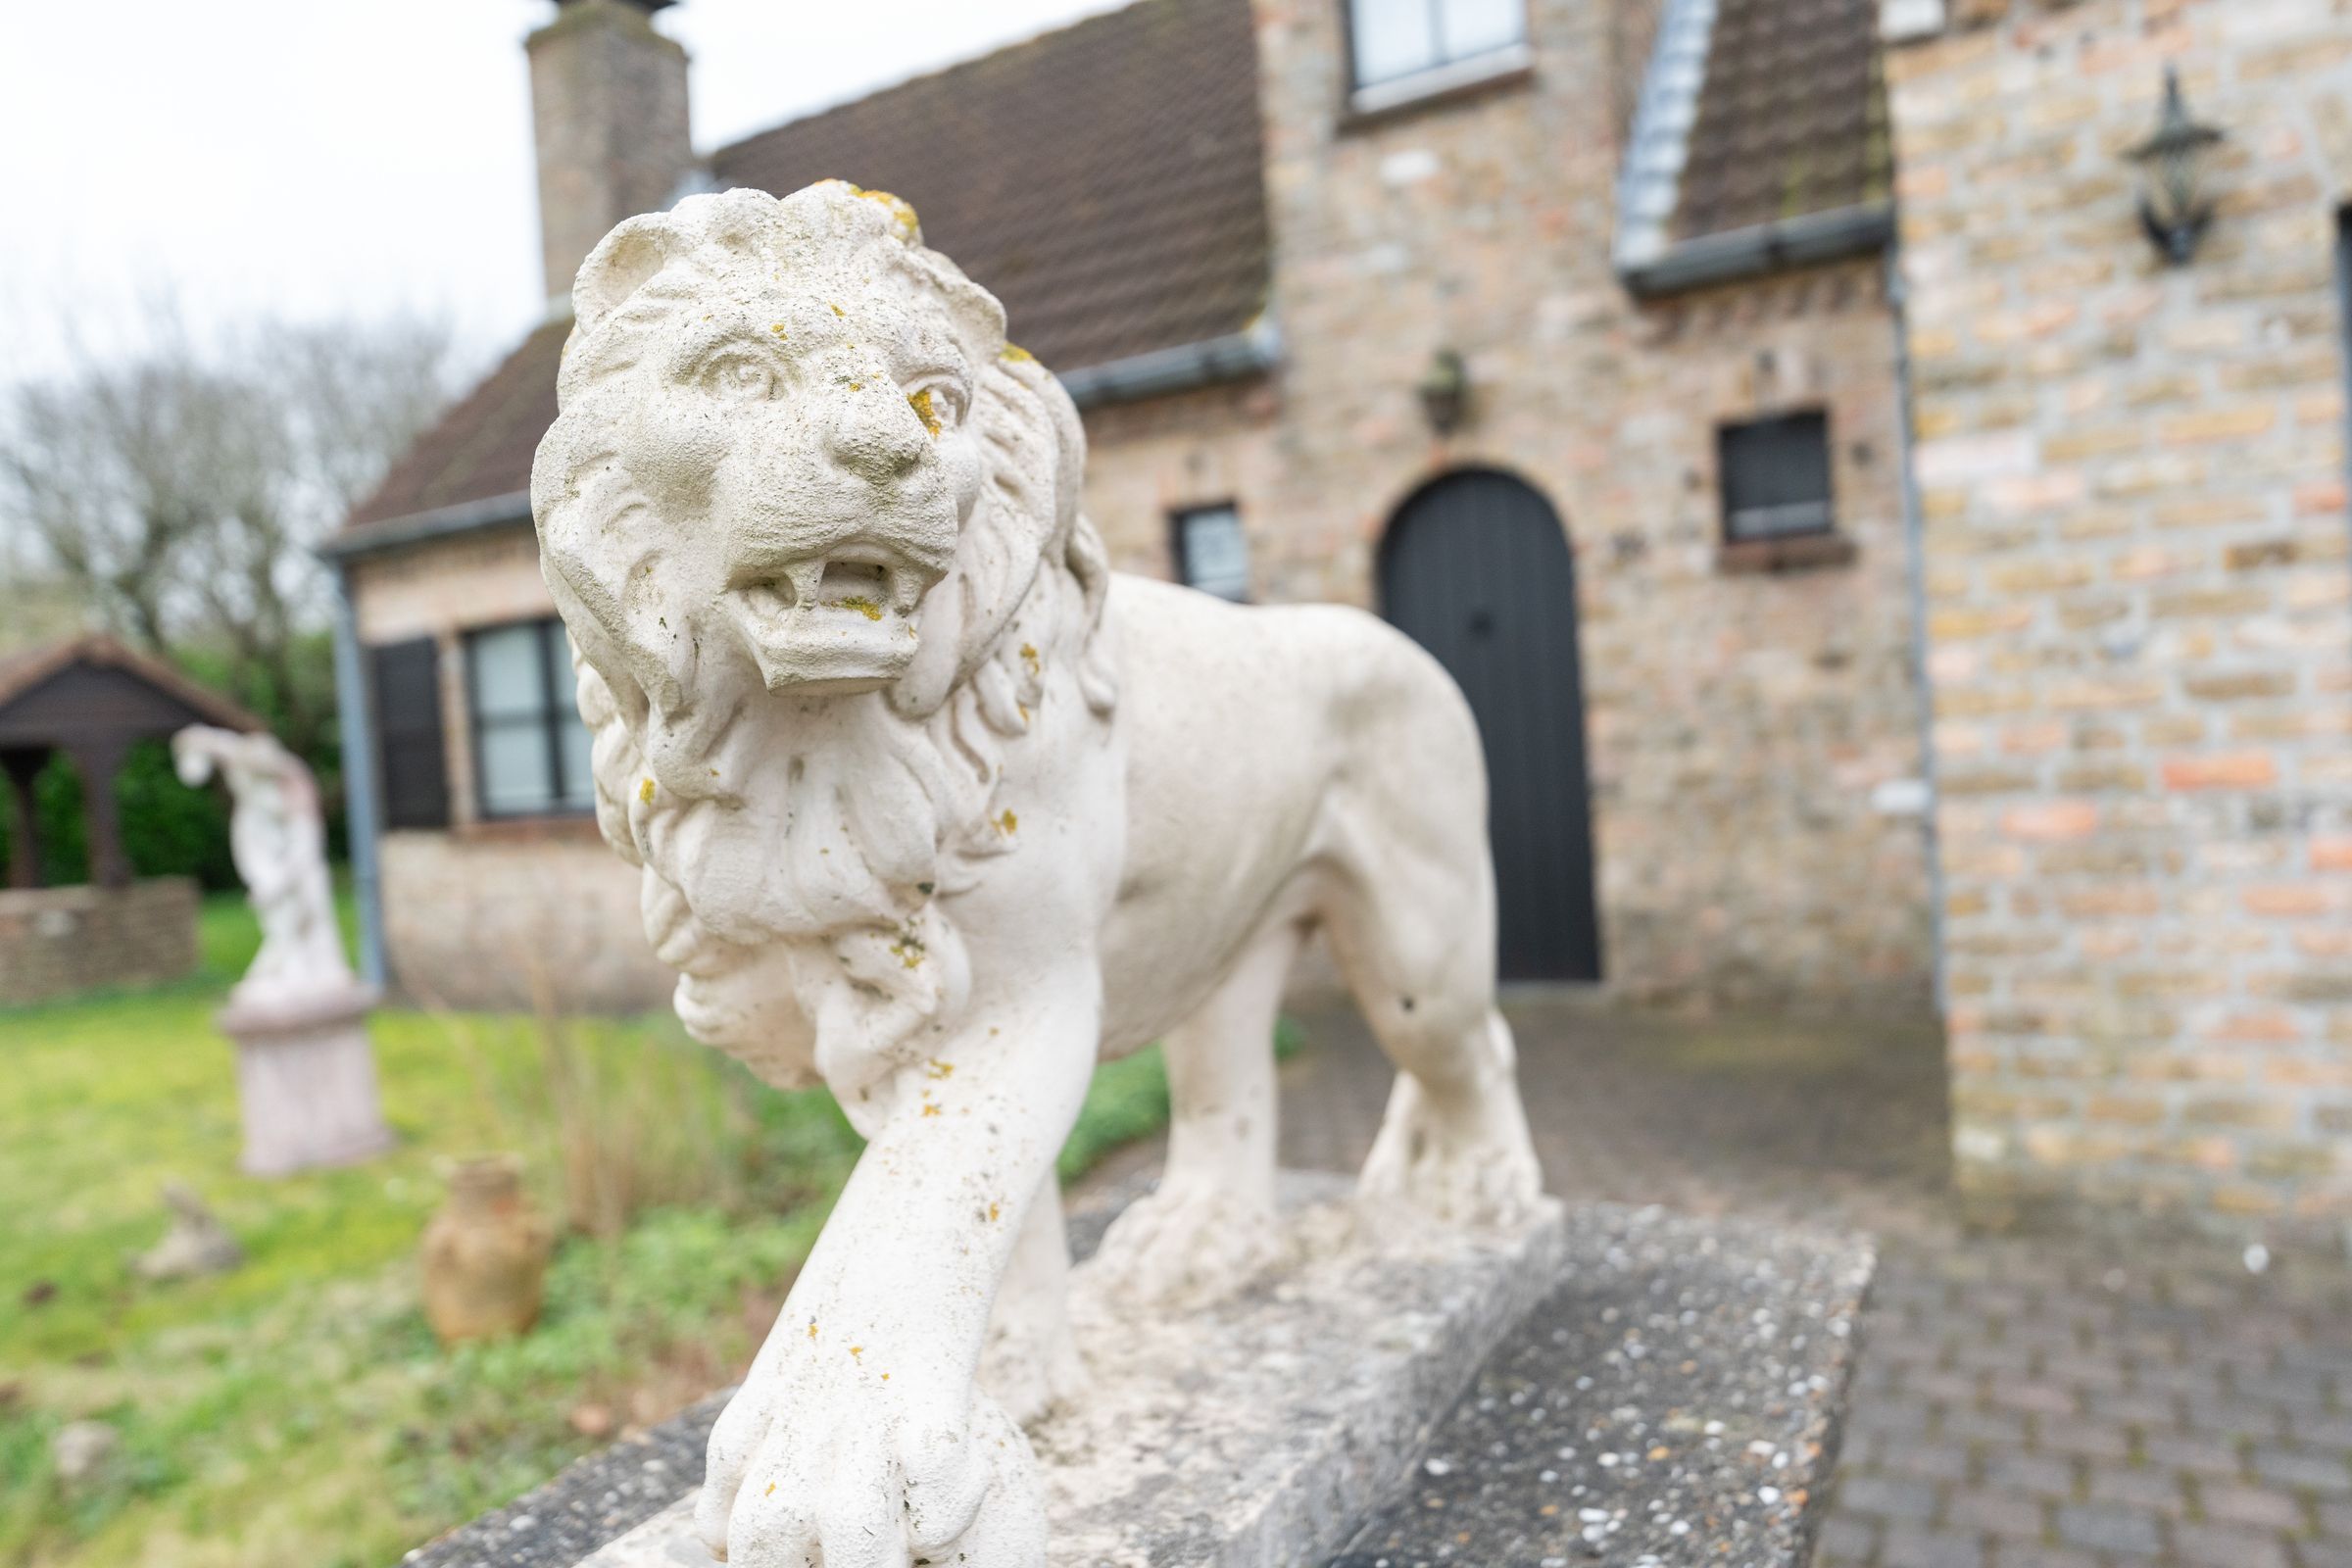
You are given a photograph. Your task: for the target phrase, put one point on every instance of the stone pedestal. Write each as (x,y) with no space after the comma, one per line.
(306,1080)
(1609,1387)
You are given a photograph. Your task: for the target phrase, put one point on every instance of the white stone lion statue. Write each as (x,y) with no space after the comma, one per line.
(935,808)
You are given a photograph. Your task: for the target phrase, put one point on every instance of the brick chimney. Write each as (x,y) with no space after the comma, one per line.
(608,111)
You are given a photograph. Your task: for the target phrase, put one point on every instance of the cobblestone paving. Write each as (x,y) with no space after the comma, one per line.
(2036,1402)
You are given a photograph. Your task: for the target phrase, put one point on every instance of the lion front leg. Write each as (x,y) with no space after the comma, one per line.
(859,1436)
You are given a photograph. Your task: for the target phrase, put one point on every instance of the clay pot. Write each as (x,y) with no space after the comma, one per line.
(485,1254)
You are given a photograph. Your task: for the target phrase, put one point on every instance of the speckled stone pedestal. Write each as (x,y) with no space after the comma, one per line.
(1397,1395)
(306,1081)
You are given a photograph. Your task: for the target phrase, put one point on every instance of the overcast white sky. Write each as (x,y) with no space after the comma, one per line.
(333,157)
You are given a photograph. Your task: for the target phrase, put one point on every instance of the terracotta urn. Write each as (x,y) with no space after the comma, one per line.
(485,1254)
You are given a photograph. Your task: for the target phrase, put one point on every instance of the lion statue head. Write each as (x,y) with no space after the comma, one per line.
(810,521)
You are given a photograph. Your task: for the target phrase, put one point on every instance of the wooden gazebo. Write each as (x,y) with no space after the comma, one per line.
(92,699)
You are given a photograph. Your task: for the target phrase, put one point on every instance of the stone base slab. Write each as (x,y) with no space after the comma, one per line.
(1568,1397)
(1263,1429)
(306,1081)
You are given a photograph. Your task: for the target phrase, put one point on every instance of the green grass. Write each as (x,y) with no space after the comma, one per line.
(297,1412)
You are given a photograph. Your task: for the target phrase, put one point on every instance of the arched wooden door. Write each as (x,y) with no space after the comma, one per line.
(1476,569)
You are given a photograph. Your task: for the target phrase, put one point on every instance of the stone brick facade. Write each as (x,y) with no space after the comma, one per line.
(1740,725)
(495,913)
(518,916)
(2139,608)
(61,942)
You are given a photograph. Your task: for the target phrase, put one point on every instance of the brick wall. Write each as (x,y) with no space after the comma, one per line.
(2141,645)
(59,942)
(509,914)
(480,914)
(1740,725)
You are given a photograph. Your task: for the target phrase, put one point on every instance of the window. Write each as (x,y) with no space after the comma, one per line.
(1395,39)
(1212,554)
(530,750)
(405,680)
(1776,479)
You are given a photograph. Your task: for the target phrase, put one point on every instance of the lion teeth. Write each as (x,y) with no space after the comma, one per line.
(904,592)
(805,576)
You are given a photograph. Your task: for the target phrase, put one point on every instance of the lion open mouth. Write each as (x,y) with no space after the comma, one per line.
(837,621)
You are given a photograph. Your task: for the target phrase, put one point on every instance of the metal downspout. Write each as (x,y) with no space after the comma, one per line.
(1914,529)
(358,729)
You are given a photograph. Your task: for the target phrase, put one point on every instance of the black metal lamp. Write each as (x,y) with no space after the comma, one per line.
(1444,391)
(2173,204)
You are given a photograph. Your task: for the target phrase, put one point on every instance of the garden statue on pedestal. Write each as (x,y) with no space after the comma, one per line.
(306,1078)
(934,807)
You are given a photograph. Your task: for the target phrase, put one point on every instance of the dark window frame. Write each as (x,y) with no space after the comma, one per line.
(1729,434)
(1179,517)
(1442,61)
(554,711)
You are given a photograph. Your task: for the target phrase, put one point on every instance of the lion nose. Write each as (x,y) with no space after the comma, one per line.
(875,435)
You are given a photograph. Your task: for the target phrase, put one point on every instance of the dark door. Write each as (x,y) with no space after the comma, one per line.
(1476,570)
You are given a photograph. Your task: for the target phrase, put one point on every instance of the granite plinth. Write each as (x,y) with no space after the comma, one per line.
(306,1080)
(1675,1401)
(1627,1371)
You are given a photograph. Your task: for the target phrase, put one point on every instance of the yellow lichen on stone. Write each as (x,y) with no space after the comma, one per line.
(1006,823)
(863,606)
(902,211)
(778,329)
(1016,354)
(920,402)
(837,310)
(1029,657)
(645,792)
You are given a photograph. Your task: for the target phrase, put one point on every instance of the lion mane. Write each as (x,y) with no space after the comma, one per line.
(886,801)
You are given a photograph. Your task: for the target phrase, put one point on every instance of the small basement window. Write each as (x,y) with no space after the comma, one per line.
(1404,49)
(1778,511)
(1776,479)
(530,750)
(1212,554)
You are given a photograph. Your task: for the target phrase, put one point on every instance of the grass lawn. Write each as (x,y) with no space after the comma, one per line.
(297,1413)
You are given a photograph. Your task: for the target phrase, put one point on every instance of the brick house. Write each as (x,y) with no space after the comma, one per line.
(1579,337)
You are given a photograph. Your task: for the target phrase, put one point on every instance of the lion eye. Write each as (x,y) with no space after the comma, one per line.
(941,402)
(741,377)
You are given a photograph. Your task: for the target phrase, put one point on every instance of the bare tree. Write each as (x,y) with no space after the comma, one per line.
(179,490)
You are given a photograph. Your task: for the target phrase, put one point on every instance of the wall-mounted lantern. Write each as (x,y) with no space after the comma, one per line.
(1444,392)
(2173,204)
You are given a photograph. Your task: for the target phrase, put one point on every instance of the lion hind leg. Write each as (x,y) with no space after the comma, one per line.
(1210,1225)
(1030,1363)
(1417,948)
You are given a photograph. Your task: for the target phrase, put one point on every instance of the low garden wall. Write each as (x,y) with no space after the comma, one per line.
(57,941)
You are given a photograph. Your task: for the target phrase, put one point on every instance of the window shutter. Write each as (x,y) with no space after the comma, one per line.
(411,759)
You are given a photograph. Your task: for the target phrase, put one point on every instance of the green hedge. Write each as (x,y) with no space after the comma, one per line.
(168,828)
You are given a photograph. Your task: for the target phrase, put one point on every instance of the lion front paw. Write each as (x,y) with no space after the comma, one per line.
(793,1482)
(1473,1165)
(1187,1244)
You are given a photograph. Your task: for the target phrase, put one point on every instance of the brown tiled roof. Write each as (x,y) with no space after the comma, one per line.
(29,669)
(1792,118)
(1103,181)
(482,447)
